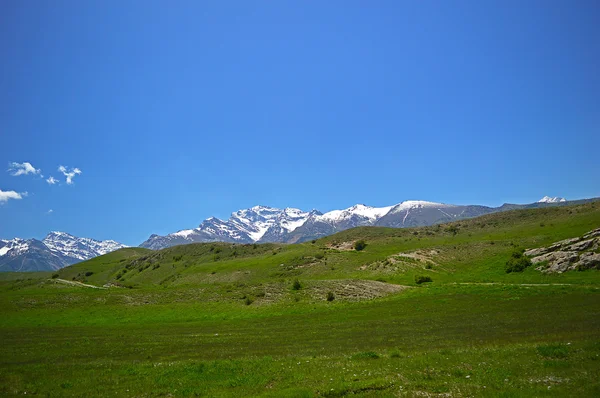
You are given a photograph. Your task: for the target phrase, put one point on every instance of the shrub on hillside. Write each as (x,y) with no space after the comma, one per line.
(54,276)
(330,296)
(359,245)
(296,285)
(517,262)
(422,279)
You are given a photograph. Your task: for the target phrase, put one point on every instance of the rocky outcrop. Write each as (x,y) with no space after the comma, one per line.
(570,254)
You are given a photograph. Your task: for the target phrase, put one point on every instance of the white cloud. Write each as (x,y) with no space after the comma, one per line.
(51,180)
(69,174)
(6,195)
(50,211)
(19,169)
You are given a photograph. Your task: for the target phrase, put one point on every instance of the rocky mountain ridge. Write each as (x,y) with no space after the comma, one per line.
(261,224)
(55,251)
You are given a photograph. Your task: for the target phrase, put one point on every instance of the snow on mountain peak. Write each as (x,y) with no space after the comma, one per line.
(415,204)
(368,212)
(548,199)
(79,248)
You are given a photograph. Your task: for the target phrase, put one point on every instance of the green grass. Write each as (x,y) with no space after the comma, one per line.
(233,325)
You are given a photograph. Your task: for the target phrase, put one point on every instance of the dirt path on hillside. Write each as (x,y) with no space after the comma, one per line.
(75,283)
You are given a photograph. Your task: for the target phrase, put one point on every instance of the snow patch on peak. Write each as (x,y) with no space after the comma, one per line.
(548,199)
(371,213)
(416,204)
(184,233)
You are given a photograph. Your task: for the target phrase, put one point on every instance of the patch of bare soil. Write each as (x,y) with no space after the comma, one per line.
(401,262)
(352,290)
(343,246)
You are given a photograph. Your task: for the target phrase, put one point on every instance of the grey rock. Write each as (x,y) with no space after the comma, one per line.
(563,243)
(556,256)
(592,234)
(589,260)
(581,245)
(557,261)
(536,252)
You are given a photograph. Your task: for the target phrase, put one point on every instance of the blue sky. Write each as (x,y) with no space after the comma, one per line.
(174,112)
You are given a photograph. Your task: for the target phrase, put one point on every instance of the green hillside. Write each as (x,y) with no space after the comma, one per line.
(473,250)
(315,319)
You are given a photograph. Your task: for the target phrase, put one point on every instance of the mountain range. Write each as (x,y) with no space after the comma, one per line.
(262,224)
(55,251)
(259,224)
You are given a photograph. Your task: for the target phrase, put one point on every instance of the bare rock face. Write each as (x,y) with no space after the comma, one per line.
(592,234)
(579,253)
(589,260)
(558,261)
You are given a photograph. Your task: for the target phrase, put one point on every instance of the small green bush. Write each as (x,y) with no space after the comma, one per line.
(89,273)
(54,276)
(422,279)
(360,245)
(557,351)
(320,255)
(296,285)
(330,296)
(248,301)
(517,262)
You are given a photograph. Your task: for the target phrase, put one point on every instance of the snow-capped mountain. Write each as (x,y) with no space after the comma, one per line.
(55,251)
(416,213)
(548,199)
(257,224)
(79,248)
(267,224)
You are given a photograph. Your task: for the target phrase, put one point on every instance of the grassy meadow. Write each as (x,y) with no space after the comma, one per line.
(314,319)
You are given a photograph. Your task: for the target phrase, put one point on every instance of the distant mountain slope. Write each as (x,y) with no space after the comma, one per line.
(267,224)
(257,224)
(55,251)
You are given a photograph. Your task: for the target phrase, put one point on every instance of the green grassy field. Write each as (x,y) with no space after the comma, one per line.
(225,320)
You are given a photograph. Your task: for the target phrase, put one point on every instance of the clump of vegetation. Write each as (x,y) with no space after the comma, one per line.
(453,229)
(395,354)
(330,296)
(366,355)
(556,351)
(360,245)
(248,300)
(422,279)
(54,276)
(517,262)
(296,285)
(89,273)
(320,255)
